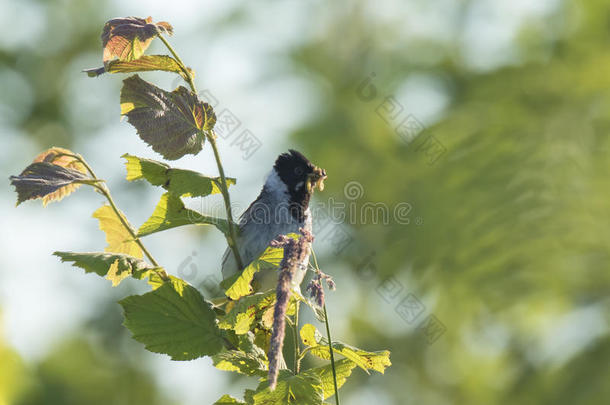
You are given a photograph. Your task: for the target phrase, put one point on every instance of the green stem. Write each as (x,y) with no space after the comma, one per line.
(187,73)
(211,136)
(102,188)
(330,340)
(297,347)
(224,189)
(332,355)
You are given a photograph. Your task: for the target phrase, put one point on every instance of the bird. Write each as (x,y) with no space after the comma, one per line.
(281,208)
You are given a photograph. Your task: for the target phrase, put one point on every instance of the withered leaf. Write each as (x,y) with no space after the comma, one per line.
(171,123)
(43,179)
(127,38)
(145,63)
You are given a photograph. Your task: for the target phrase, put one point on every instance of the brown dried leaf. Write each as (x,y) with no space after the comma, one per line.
(127,38)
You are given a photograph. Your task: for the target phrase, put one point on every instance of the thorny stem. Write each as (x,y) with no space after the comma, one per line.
(211,136)
(330,340)
(102,188)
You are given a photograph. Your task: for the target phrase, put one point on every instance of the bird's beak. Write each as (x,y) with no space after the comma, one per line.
(316,179)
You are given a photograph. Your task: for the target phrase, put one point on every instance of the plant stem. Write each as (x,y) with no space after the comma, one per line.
(211,136)
(232,240)
(187,73)
(332,355)
(102,188)
(330,340)
(295,332)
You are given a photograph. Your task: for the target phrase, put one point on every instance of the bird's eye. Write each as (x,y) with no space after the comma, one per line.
(298,171)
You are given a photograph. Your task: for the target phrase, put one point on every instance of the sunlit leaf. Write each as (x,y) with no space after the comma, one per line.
(228,400)
(186,183)
(145,63)
(174,319)
(171,123)
(127,38)
(243,313)
(115,267)
(241,362)
(47,181)
(118,238)
(377,361)
(343,368)
(291,389)
(239,285)
(171,212)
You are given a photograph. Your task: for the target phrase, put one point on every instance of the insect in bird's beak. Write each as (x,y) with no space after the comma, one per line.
(316,179)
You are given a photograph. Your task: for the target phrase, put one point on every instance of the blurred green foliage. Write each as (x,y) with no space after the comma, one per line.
(516,212)
(512,255)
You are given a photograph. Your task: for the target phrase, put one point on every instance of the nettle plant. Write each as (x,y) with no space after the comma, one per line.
(244,330)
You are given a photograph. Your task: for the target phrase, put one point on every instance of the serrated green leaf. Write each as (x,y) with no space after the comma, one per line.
(115,267)
(48,181)
(175,320)
(318,345)
(171,212)
(185,183)
(228,400)
(118,238)
(343,368)
(291,389)
(244,311)
(241,362)
(171,123)
(127,38)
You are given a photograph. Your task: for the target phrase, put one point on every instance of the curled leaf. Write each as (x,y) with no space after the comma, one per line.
(171,123)
(127,38)
(48,181)
(145,63)
(115,267)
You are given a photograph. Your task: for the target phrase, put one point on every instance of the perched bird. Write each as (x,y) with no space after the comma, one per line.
(282,207)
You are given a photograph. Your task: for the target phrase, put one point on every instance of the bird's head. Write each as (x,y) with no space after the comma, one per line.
(299,175)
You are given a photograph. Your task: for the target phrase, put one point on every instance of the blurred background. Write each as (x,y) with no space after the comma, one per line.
(487,122)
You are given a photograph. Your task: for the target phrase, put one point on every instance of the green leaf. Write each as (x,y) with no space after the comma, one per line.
(227,400)
(243,312)
(241,362)
(291,389)
(115,267)
(127,38)
(48,181)
(143,64)
(175,320)
(171,212)
(185,183)
(377,361)
(343,368)
(238,285)
(118,238)
(171,123)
